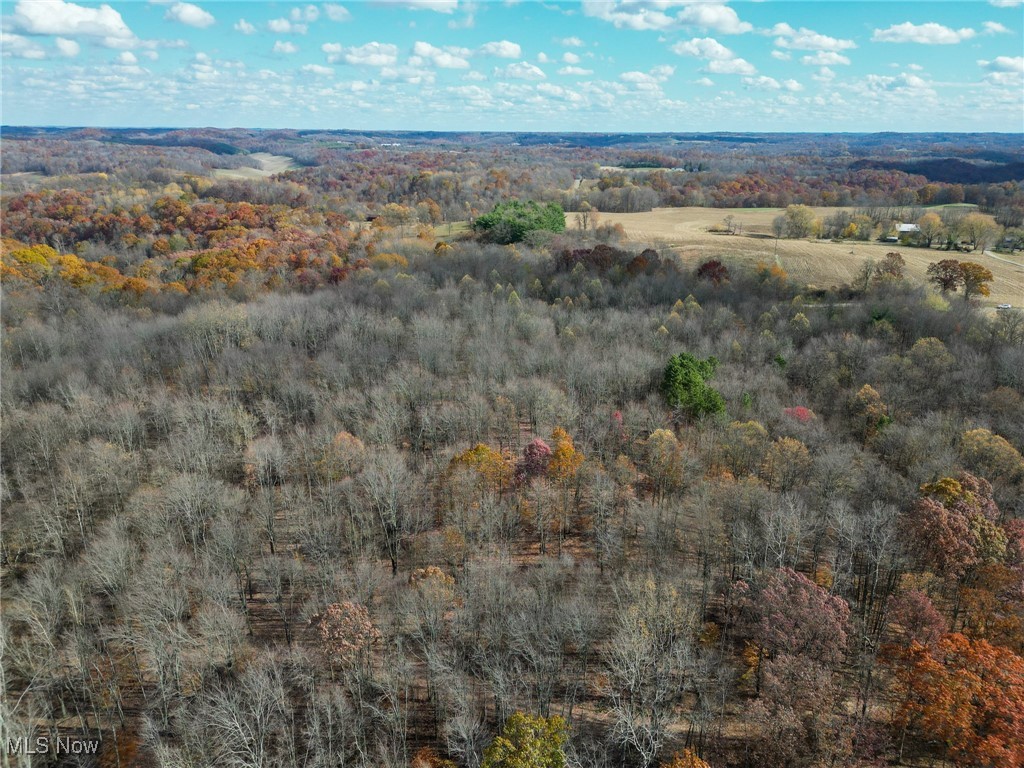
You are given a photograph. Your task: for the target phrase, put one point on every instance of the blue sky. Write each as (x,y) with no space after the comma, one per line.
(594,65)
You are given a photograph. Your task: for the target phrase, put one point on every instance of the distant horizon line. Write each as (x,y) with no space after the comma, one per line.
(6,126)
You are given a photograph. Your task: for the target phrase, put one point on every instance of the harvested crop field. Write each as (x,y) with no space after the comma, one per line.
(821,263)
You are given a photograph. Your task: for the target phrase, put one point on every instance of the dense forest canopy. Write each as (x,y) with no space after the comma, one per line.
(300,470)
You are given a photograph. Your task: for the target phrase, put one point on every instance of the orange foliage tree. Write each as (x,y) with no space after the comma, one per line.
(965,697)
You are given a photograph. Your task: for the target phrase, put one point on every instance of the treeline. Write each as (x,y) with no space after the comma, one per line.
(367,524)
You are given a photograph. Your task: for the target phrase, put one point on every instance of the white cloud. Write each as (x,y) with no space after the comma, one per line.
(318,69)
(781,55)
(824,75)
(190,15)
(570,58)
(56,17)
(333,51)
(627,15)
(721,60)
(792,85)
(502,49)
(648,81)
(707,82)
(995,28)
(244,27)
(578,71)
(521,70)
(704,48)
(440,6)
(284,26)
(285,47)
(371,55)
(720,18)
(543,58)
(926,34)
(763,81)
(127,57)
(1005,3)
(336,12)
(67,47)
(571,42)
(825,59)
(902,86)
(309,13)
(22,47)
(1004,64)
(474,76)
(450,58)
(804,39)
(731,67)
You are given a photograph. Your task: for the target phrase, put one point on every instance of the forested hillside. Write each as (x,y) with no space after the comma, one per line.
(285,486)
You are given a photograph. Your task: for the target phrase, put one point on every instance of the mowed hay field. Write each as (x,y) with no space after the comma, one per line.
(820,263)
(269,165)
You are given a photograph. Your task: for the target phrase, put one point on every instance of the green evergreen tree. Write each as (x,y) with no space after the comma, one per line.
(684,385)
(511,221)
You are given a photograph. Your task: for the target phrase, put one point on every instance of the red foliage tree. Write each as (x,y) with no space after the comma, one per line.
(713,271)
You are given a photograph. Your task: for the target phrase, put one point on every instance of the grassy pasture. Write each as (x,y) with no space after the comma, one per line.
(816,262)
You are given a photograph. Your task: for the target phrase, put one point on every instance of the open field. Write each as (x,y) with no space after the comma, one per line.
(816,262)
(269,165)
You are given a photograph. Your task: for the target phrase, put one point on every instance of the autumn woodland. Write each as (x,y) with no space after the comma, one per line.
(398,450)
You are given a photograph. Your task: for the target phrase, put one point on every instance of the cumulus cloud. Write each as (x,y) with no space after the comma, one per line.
(440,6)
(627,15)
(571,42)
(369,55)
(781,55)
(707,82)
(443,58)
(570,58)
(804,39)
(502,49)
(190,15)
(1003,64)
(900,86)
(68,48)
(630,14)
(285,47)
(56,17)
(333,51)
(284,26)
(703,48)
(930,33)
(521,70)
(127,58)
(792,85)
(309,13)
(648,81)
(21,47)
(318,69)
(1005,3)
(731,67)
(824,59)
(244,27)
(721,60)
(336,12)
(577,71)
(994,28)
(720,18)
(763,81)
